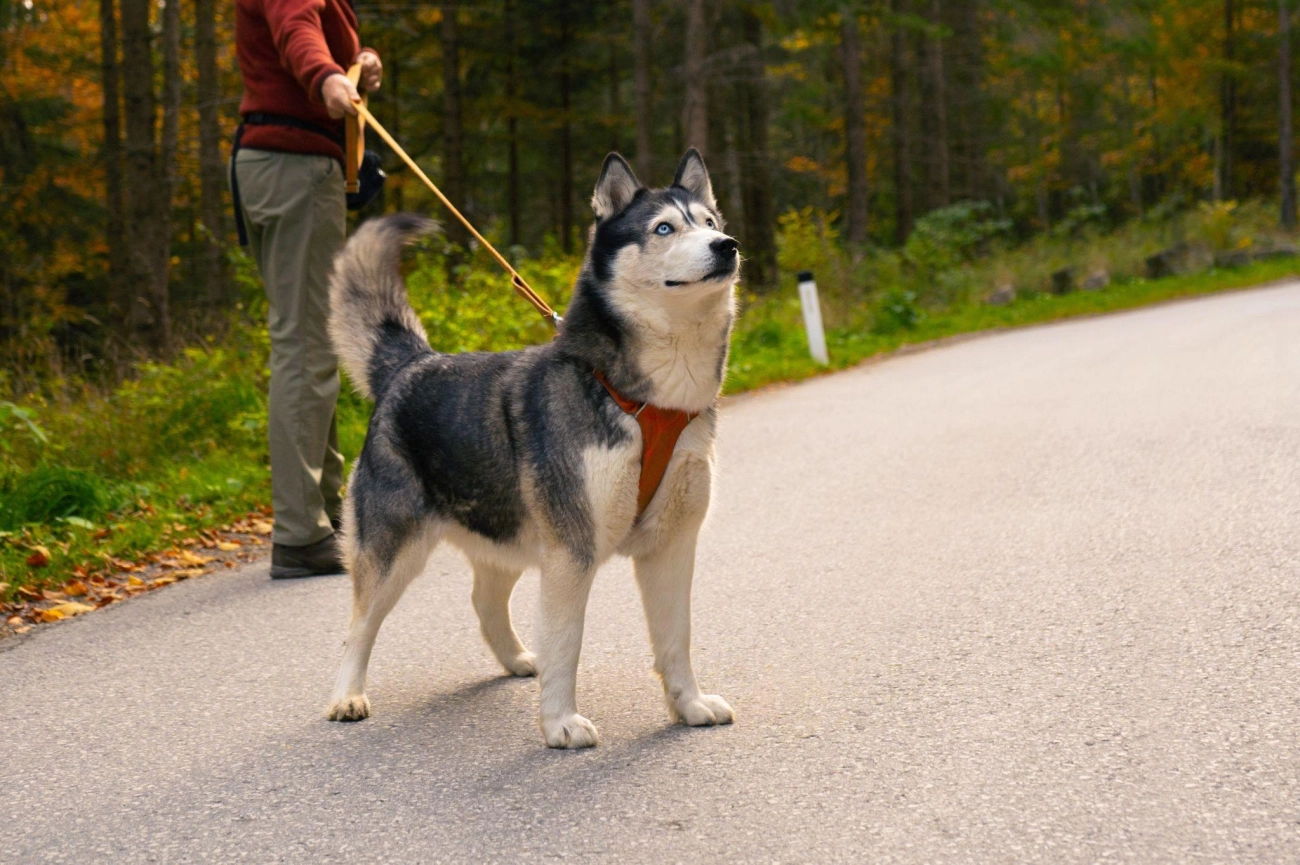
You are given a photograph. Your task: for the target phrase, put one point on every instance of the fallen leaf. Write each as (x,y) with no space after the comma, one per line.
(162,581)
(14,621)
(261,527)
(22,630)
(228,546)
(29,594)
(102,534)
(4,587)
(51,595)
(71,608)
(180,527)
(189,572)
(51,615)
(80,571)
(190,559)
(75,589)
(134,581)
(39,558)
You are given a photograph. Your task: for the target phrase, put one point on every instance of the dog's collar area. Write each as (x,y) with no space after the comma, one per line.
(660,429)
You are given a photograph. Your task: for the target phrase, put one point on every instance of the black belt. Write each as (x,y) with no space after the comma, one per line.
(259,118)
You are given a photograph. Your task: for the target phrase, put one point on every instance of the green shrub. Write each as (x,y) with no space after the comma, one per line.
(896,311)
(948,237)
(49,494)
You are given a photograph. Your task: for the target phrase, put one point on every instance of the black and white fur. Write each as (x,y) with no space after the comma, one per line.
(523,459)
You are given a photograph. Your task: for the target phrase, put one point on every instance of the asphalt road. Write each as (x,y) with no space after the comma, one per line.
(1033,597)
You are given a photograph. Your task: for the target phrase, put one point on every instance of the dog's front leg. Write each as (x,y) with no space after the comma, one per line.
(566,582)
(664,577)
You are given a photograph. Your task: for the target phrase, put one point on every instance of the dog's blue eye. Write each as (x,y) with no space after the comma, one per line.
(663,228)
(709,223)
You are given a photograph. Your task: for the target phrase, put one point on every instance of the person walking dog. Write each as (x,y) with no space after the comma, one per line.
(287,180)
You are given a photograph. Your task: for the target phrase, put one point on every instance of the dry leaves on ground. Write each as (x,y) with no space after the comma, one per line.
(111,579)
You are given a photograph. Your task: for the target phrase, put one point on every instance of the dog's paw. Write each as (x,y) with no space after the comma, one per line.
(523,664)
(569,731)
(349,709)
(704,710)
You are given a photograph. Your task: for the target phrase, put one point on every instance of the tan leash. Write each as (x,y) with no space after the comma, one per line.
(356,150)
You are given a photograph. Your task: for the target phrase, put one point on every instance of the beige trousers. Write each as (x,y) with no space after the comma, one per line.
(296,215)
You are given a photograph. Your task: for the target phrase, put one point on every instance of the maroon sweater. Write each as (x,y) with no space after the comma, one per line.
(286,49)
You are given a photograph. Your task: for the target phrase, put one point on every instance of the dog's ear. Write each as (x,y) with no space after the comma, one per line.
(615,189)
(693,176)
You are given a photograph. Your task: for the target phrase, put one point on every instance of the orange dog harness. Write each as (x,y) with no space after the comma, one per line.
(660,429)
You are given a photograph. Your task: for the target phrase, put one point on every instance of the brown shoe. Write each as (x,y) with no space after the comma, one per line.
(314,560)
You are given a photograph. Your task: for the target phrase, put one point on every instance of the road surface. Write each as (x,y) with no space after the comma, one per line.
(1033,597)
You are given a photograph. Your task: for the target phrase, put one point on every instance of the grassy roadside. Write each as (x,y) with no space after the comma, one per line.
(141,481)
(775,350)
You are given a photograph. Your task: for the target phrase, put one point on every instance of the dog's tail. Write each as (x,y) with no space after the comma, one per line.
(374,329)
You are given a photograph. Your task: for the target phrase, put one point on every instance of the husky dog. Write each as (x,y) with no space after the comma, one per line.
(525,458)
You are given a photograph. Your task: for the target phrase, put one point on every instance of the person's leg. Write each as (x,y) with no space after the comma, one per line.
(298,206)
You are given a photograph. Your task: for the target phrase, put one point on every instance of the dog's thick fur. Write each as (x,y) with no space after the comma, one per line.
(523,458)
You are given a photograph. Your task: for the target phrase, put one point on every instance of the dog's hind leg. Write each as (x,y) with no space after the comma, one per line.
(492,588)
(377,582)
(664,577)
(566,583)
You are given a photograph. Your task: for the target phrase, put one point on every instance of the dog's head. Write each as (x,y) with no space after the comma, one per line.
(654,246)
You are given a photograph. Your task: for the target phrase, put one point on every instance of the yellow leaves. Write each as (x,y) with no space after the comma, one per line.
(75,589)
(134,581)
(63,611)
(162,581)
(262,527)
(224,546)
(14,622)
(186,573)
(190,558)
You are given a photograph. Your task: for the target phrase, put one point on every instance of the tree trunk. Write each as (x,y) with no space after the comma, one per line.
(854,124)
(642,33)
(934,114)
(695,105)
(901,111)
(964,65)
(1226,140)
(111,155)
(164,190)
(615,103)
(212,182)
(755,161)
(566,130)
(512,126)
(1286,146)
(141,175)
(453,169)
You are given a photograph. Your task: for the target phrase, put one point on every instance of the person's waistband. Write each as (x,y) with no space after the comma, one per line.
(263,118)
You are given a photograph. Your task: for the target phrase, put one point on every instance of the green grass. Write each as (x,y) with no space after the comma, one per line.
(92,476)
(769,345)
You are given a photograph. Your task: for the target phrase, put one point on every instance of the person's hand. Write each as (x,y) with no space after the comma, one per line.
(338,94)
(372,71)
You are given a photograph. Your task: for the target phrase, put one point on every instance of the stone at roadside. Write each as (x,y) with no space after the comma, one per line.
(1167,262)
(1063,281)
(1097,280)
(1003,295)
(1275,252)
(1233,258)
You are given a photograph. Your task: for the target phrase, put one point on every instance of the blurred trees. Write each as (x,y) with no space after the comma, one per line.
(115,118)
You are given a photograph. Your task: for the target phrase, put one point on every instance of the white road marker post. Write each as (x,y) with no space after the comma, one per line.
(812,317)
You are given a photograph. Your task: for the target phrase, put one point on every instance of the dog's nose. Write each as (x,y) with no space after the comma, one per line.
(725,246)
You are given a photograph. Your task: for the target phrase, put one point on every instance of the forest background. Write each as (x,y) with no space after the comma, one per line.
(939,165)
